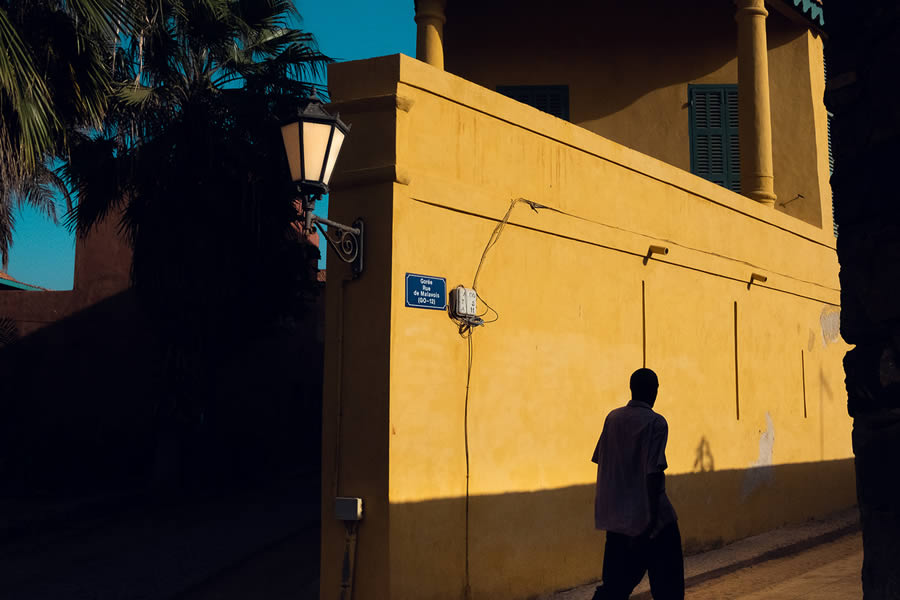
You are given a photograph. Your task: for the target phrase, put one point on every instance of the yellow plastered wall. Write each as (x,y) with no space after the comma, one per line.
(432,164)
(628,66)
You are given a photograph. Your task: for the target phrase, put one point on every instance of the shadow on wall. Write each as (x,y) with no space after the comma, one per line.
(81,397)
(699,38)
(704,461)
(545,540)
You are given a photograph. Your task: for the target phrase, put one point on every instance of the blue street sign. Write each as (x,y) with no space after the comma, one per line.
(424,291)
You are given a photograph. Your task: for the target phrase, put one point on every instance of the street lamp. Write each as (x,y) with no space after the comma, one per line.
(312,144)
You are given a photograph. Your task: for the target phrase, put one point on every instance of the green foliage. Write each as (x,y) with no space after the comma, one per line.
(55,78)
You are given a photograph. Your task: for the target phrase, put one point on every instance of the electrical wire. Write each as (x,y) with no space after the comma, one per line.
(471,346)
(537,206)
(490,309)
(467,327)
(495,234)
(336,483)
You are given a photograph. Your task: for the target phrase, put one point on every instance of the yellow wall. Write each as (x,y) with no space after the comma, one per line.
(432,164)
(628,66)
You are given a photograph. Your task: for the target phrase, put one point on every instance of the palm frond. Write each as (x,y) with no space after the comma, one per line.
(133,94)
(107,17)
(27,94)
(55,181)
(92,173)
(40,196)
(268,14)
(7,225)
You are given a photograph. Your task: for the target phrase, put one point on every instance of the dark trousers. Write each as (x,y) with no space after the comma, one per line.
(626,559)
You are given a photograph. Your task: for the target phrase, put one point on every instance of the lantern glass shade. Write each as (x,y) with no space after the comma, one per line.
(336,141)
(312,144)
(315,149)
(291,138)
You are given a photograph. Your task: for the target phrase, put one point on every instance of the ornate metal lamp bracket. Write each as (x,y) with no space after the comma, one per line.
(347,242)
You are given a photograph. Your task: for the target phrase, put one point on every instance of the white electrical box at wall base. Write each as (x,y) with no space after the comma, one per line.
(348,509)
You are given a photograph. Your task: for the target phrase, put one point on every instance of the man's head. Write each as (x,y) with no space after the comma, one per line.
(644,385)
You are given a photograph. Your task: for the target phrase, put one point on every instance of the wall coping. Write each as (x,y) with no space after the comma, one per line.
(383,75)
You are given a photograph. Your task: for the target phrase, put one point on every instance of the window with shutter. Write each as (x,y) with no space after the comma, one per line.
(553,99)
(715,145)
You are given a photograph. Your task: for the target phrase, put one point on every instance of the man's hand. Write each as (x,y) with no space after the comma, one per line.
(652,529)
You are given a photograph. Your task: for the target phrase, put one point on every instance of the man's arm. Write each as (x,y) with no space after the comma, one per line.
(655,472)
(598,449)
(654,491)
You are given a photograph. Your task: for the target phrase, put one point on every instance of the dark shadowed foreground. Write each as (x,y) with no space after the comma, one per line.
(862,90)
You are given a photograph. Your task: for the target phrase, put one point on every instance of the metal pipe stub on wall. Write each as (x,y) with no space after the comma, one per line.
(663,250)
(758,278)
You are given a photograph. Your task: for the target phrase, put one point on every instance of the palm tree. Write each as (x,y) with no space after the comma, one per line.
(190,150)
(55,78)
(190,155)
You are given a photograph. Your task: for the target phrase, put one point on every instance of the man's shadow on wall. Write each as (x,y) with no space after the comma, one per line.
(704,461)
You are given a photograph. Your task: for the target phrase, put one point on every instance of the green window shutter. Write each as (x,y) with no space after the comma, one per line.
(553,99)
(715,145)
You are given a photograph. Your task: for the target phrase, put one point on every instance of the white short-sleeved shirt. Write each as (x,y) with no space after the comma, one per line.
(632,446)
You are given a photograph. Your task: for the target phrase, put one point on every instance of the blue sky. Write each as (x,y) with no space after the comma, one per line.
(44,254)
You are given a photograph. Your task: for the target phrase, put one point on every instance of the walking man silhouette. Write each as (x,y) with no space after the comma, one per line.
(631,504)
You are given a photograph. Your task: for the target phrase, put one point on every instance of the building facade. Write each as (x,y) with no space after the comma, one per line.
(624,229)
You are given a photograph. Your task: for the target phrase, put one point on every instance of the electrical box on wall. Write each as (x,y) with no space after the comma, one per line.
(348,509)
(463,302)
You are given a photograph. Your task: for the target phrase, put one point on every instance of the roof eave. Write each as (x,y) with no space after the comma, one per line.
(807,13)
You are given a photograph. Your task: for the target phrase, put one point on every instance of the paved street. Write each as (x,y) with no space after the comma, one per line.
(188,548)
(824,571)
(827,572)
(817,559)
(265,545)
